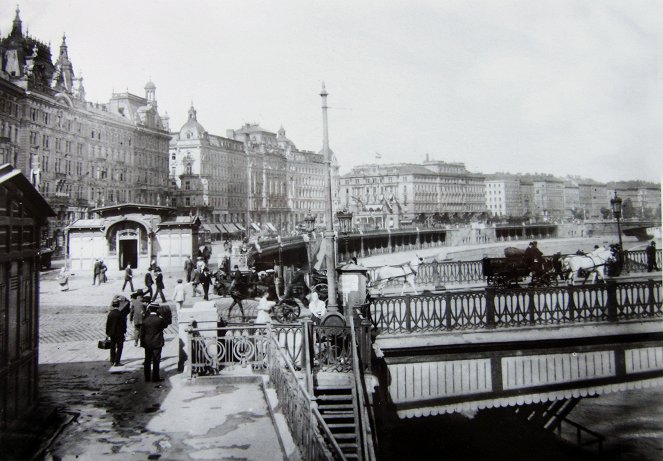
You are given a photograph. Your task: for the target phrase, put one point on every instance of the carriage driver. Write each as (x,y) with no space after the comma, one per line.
(533,258)
(297,286)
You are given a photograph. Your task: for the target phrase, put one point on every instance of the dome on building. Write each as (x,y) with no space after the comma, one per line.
(150,86)
(192,129)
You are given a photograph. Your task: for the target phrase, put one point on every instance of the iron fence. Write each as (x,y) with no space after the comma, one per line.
(492,308)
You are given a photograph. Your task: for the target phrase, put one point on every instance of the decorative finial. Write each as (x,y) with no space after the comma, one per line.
(324,90)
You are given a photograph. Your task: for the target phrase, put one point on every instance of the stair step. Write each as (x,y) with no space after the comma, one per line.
(335,397)
(348,445)
(337,406)
(341,425)
(338,415)
(344,436)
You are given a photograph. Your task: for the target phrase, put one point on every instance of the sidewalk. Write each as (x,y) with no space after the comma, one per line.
(95,411)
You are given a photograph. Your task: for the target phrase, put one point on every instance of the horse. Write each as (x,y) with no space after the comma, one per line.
(407,272)
(592,263)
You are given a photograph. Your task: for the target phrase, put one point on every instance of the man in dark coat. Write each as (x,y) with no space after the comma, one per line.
(158,282)
(236,292)
(533,257)
(650,251)
(188,269)
(205,280)
(116,327)
(149,281)
(128,278)
(152,341)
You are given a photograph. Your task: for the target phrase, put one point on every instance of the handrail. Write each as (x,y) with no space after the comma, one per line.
(312,406)
(598,438)
(363,430)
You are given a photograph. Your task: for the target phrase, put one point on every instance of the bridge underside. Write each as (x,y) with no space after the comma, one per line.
(433,374)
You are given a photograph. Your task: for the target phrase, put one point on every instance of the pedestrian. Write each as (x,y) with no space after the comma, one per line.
(137,314)
(264,307)
(159,286)
(178,294)
(102,272)
(149,281)
(128,278)
(63,278)
(188,268)
(200,264)
(205,280)
(152,341)
(317,307)
(236,288)
(195,281)
(153,265)
(95,272)
(651,257)
(116,327)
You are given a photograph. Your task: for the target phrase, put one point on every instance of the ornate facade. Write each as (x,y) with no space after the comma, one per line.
(80,155)
(389,196)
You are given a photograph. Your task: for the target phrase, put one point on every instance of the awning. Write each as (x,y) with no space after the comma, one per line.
(219,227)
(239,227)
(255,227)
(207,227)
(271,227)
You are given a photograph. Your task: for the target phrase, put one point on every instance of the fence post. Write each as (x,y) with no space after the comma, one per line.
(447,312)
(306,354)
(651,304)
(408,313)
(611,302)
(490,307)
(188,348)
(531,306)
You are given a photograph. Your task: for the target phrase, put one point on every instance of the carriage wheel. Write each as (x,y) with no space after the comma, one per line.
(287,311)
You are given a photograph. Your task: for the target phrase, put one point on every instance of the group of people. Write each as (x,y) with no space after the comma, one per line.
(153,281)
(99,270)
(149,320)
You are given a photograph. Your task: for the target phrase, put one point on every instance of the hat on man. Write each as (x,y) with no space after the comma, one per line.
(153,307)
(147,298)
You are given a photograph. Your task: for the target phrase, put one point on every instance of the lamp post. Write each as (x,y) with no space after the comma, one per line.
(332,306)
(345,223)
(616,205)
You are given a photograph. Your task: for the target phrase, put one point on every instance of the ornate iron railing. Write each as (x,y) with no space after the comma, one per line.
(332,348)
(491,308)
(308,429)
(211,349)
(438,273)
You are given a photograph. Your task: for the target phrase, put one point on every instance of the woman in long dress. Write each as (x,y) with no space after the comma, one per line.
(264,307)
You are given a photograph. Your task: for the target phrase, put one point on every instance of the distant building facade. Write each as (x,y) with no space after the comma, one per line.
(393,195)
(79,155)
(503,195)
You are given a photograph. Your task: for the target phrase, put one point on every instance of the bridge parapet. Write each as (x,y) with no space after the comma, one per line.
(492,308)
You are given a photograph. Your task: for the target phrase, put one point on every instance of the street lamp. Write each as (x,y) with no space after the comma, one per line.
(616,204)
(309,221)
(345,223)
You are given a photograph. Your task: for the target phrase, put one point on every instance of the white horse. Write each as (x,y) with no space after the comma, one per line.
(407,272)
(593,263)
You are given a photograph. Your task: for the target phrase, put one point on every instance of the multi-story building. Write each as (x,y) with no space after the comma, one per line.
(210,175)
(79,155)
(286,183)
(503,195)
(592,197)
(572,208)
(386,196)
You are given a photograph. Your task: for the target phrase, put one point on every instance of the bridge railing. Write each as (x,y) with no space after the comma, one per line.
(492,308)
(439,273)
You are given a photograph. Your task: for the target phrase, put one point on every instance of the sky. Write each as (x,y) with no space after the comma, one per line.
(566,87)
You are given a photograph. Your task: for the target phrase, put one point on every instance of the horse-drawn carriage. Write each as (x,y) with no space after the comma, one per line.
(515,268)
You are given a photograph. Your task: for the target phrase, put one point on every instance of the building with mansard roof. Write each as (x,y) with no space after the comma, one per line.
(395,195)
(79,155)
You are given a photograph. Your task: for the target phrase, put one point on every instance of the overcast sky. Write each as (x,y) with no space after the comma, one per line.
(562,87)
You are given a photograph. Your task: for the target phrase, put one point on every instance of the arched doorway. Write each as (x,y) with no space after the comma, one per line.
(127,243)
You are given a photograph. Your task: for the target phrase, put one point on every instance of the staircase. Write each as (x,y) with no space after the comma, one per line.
(336,405)
(552,416)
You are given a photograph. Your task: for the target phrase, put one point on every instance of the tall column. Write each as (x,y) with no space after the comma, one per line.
(329,217)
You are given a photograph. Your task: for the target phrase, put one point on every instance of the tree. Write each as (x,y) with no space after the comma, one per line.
(628,210)
(605,212)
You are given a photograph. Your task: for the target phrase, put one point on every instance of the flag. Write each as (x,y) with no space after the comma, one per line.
(378,155)
(318,252)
